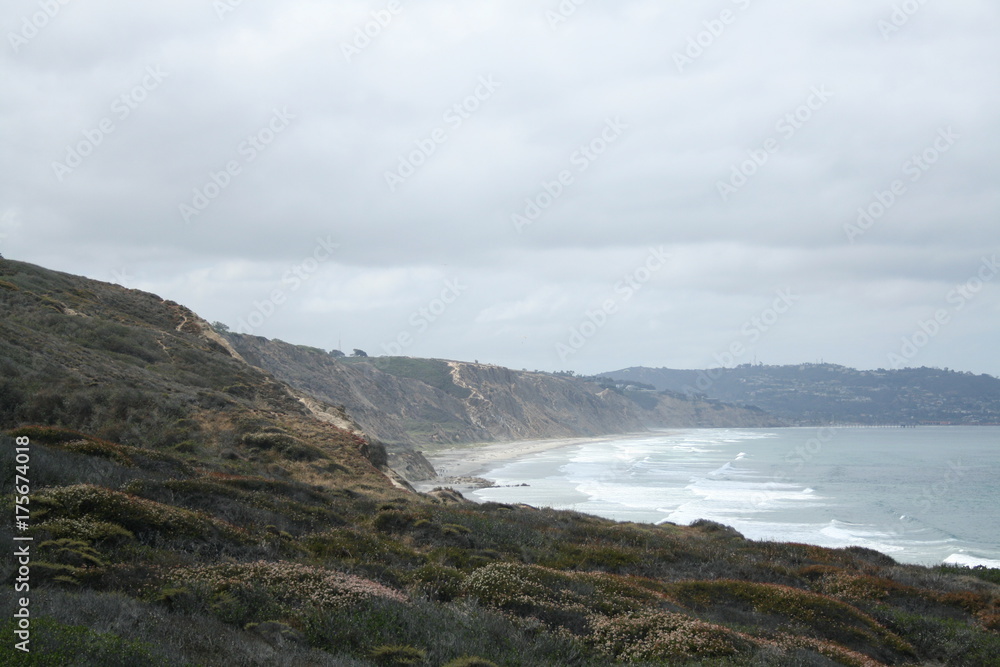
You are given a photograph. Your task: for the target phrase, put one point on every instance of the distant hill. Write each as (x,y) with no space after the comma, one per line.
(828,393)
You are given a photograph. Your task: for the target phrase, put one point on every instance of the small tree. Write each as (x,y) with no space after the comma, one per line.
(337,353)
(359,353)
(220,327)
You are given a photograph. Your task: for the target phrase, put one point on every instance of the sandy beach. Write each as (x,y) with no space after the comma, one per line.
(458,467)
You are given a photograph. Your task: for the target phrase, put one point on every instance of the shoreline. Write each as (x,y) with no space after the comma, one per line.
(459,467)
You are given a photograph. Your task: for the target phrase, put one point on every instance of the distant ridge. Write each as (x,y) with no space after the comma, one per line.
(828,393)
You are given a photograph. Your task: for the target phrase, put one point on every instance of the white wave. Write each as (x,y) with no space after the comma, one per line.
(724,472)
(971,561)
(691,449)
(853,534)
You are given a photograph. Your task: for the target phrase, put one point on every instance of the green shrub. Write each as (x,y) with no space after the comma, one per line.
(774,605)
(446,632)
(360,547)
(591,557)
(140,516)
(46,435)
(439,582)
(470,661)
(393,521)
(398,655)
(53,643)
(285,445)
(991,575)
(947,641)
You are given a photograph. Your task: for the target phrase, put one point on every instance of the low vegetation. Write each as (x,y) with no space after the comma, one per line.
(178,520)
(349,574)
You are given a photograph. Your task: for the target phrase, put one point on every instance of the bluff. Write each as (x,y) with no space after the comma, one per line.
(402,400)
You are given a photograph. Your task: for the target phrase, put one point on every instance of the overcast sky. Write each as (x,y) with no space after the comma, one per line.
(540,185)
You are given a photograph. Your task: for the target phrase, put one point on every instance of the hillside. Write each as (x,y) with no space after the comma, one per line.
(401,400)
(826,393)
(187,508)
(131,368)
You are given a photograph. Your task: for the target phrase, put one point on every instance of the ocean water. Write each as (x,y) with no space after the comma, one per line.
(922,495)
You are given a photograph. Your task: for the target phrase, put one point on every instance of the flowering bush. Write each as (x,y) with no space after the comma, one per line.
(86,528)
(652,635)
(563,599)
(288,585)
(855,587)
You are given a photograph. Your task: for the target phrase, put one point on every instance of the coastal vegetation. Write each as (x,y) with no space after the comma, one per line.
(188,509)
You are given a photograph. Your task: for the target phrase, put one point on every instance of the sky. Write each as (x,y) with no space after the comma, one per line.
(573,185)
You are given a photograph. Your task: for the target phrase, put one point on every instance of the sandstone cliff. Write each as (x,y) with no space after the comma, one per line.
(426,401)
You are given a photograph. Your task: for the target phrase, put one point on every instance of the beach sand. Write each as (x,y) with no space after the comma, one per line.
(459,467)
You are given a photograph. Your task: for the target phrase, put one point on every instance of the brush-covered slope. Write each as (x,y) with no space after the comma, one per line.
(186,509)
(422,401)
(128,367)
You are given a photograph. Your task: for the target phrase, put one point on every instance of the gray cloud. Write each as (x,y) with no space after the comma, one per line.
(743,98)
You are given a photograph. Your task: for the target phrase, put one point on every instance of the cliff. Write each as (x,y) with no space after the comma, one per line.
(401,400)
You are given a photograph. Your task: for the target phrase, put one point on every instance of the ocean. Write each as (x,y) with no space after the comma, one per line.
(925,495)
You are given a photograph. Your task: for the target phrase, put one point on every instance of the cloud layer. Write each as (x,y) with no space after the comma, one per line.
(491,181)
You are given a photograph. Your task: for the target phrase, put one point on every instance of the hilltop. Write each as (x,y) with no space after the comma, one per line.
(810,394)
(190,508)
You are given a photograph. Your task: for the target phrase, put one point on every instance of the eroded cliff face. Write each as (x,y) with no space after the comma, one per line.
(424,401)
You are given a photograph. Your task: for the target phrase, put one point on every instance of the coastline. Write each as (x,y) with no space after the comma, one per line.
(459,467)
